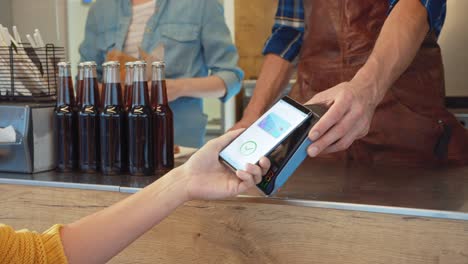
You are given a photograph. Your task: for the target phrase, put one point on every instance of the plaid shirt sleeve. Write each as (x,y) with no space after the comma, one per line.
(288,30)
(436,10)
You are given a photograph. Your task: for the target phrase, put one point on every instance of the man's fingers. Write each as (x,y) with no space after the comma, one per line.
(331,117)
(339,130)
(345,141)
(320,98)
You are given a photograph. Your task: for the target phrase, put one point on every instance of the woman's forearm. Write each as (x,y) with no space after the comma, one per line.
(202,87)
(98,237)
(397,45)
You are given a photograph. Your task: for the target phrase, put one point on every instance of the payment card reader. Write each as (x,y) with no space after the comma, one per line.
(281,135)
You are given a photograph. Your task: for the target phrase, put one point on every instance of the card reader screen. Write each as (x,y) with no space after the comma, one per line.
(260,138)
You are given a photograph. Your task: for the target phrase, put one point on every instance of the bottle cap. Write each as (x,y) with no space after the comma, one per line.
(139,63)
(64,64)
(159,64)
(89,64)
(111,64)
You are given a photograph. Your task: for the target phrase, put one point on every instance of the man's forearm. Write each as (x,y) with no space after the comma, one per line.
(274,76)
(398,42)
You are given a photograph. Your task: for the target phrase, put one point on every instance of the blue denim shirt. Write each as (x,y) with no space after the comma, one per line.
(197,43)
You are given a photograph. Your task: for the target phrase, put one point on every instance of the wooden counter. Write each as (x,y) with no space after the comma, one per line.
(326,213)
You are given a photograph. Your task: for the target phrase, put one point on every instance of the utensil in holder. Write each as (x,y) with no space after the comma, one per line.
(29,74)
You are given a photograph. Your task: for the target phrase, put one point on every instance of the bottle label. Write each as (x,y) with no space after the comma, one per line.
(89,109)
(138,110)
(64,109)
(111,110)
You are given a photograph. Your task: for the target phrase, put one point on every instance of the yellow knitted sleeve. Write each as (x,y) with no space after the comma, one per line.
(30,247)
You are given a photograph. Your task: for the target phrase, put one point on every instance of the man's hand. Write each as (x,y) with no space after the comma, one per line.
(352,104)
(351,107)
(207,178)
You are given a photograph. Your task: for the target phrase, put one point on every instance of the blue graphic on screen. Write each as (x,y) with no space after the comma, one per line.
(274,125)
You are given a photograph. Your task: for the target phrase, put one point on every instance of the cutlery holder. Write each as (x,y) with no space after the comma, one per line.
(29,74)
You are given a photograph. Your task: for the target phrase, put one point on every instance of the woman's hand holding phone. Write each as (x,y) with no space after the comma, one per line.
(207,178)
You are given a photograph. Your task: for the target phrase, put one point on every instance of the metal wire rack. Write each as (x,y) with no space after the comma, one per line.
(29,74)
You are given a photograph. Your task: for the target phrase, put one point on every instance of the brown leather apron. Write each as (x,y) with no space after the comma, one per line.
(411,125)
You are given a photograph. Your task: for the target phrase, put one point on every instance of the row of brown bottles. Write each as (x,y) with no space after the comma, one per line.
(116,134)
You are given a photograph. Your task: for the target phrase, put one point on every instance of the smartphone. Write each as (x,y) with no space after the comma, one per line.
(263,136)
(290,153)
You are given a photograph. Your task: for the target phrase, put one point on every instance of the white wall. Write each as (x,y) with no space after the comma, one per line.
(213,106)
(5,13)
(229,107)
(46,15)
(454,43)
(77,13)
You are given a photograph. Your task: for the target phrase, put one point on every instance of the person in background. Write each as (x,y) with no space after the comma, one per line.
(377,66)
(102,235)
(196,43)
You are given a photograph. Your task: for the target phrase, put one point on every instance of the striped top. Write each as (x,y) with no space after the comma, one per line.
(140,16)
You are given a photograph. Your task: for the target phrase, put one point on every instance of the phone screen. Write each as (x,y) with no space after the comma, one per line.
(263,135)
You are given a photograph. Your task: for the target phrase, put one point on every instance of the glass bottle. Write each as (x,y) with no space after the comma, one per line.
(140,147)
(127,105)
(111,119)
(88,121)
(163,121)
(65,121)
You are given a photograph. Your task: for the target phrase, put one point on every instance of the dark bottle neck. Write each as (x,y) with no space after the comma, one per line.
(128,95)
(112,95)
(158,86)
(80,73)
(65,94)
(128,75)
(159,93)
(112,89)
(140,86)
(79,86)
(140,94)
(128,85)
(90,93)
